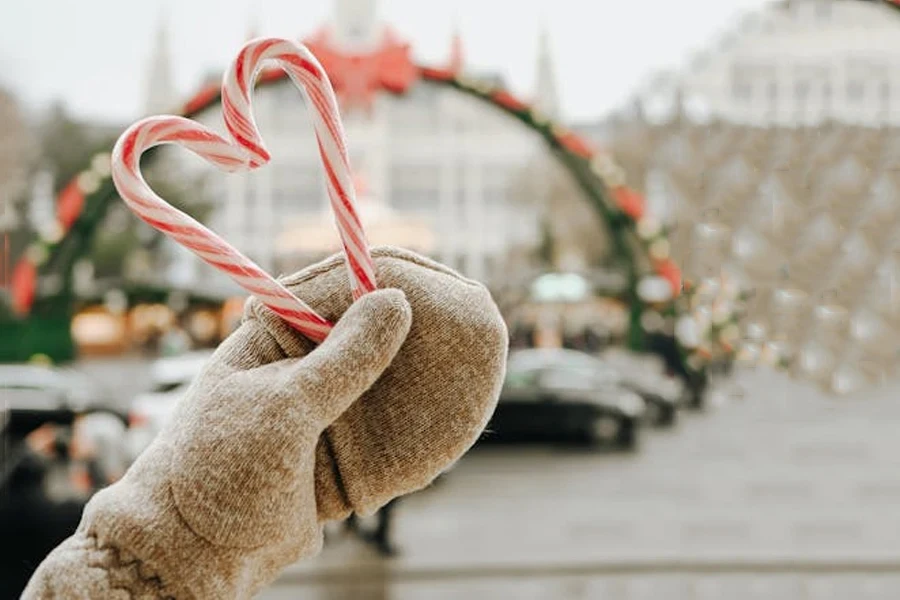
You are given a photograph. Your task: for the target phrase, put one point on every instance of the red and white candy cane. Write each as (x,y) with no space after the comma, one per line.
(249,152)
(304,69)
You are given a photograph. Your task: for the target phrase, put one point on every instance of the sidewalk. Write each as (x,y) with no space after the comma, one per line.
(784,487)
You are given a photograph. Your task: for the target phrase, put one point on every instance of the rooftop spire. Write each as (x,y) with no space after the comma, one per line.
(253,25)
(546,97)
(356,24)
(160,94)
(455,64)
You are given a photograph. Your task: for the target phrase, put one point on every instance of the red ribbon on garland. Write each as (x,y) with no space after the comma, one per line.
(357,77)
(630,202)
(668,270)
(23,284)
(69,204)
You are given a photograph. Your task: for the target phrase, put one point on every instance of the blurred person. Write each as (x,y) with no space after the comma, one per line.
(596,338)
(521,334)
(380,536)
(32,521)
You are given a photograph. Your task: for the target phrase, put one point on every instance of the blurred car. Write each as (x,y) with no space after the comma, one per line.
(555,394)
(46,477)
(170,378)
(646,375)
(31,395)
(61,440)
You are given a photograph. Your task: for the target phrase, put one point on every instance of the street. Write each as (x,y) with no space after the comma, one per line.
(782,494)
(776,493)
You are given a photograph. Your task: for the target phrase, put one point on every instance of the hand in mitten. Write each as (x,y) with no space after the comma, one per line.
(225,496)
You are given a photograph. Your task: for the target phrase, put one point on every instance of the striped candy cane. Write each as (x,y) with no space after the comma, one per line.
(306,72)
(248,152)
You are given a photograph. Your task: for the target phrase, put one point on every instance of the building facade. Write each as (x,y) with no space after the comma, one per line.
(772,158)
(795,62)
(430,155)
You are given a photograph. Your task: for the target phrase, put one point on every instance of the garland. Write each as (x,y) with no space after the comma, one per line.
(622,208)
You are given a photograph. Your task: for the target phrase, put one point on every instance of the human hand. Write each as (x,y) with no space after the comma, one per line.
(224,498)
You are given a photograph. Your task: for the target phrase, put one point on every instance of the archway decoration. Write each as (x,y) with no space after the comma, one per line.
(42,279)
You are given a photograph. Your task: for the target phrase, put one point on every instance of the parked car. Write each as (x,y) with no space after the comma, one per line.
(75,389)
(646,375)
(170,379)
(36,394)
(555,394)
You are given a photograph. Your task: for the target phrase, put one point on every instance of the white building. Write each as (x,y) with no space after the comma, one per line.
(432,154)
(795,62)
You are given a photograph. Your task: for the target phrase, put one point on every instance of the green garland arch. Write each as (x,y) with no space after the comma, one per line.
(42,280)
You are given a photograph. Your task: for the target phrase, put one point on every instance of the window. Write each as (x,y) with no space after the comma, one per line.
(415,199)
(772,91)
(855,90)
(885,91)
(742,89)
(415,187)
(801,90)
(251,208)
(287,202)
(296,189)
(861,70)
(744,77)
(416,111)
(496,183)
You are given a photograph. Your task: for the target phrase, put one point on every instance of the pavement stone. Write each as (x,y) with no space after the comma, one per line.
(785,493)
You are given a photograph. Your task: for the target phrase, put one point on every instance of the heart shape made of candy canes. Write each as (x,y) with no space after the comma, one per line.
(434,399)
(246,151)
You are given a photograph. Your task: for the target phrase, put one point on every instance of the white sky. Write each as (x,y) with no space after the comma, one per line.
(94,53)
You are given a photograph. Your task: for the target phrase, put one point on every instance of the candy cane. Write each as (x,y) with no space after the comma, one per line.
(306,72)
(246,152)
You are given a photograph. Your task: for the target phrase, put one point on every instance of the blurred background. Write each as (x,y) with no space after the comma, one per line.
(688,213)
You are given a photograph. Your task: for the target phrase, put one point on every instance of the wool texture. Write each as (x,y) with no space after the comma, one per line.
(277,436)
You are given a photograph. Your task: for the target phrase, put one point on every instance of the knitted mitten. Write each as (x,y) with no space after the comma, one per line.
(268,444)
(224,497)
(429,406)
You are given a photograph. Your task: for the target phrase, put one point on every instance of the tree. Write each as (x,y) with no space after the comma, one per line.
(67,145)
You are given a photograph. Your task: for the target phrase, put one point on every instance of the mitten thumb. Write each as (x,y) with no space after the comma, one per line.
(353,356)
(244,447)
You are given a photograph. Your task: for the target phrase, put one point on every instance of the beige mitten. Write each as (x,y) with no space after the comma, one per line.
(224,497)
(265,448)
(429,406)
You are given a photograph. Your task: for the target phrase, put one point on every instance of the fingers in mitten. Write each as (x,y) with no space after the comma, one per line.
(353,356)
(249,347)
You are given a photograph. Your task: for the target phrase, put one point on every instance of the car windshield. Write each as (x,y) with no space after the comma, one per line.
(575,364)
(164,387)
(28,377)
(29,399)
(170,373)
(568,377)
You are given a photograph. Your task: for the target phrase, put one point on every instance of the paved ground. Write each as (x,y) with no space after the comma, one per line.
(783,494)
